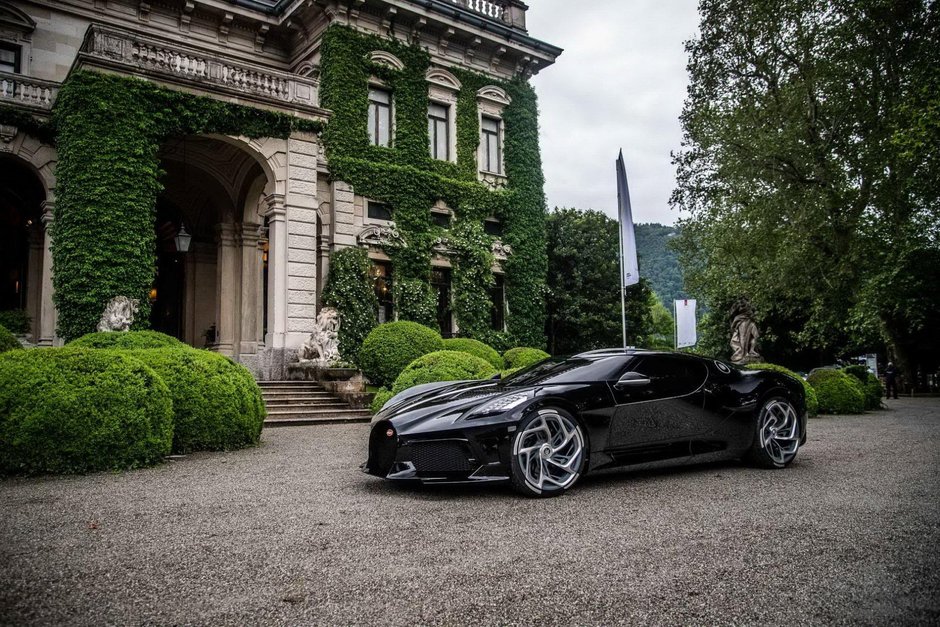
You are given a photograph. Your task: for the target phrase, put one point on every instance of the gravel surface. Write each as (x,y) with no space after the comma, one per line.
(292,533)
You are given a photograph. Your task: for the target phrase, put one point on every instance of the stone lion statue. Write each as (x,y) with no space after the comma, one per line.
(744,334)
(118,314)
(323,344)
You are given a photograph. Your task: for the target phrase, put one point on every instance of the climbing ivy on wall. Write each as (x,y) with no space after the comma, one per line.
(108,131)
(407,178)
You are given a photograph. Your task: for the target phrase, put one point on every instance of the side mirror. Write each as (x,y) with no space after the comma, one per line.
(632,380)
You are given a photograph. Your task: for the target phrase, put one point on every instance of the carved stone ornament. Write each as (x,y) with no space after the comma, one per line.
(118,314)
(744,334)
(442,246)
(501,250)
(322,346)
(381,235)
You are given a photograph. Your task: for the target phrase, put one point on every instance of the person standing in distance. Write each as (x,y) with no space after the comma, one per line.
(891,380)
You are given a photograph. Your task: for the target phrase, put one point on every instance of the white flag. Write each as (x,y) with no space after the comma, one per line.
(628,261)
(685,323)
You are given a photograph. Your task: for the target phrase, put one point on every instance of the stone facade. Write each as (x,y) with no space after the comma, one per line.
(265,213)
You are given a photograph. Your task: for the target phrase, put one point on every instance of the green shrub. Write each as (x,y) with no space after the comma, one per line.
(523,356)
(126,340)
(8,341)
(381,397)
(871,386)
(812,403)
(391,346)
(443,366)
(74,410)
(217,404)
(837,392)
(349,289)
(15,320)
(474,347)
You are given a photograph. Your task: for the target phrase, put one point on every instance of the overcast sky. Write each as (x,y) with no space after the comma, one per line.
(620,83)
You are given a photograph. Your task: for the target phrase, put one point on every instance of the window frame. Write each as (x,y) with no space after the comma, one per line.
(373,130)
(433,134)
(485,134)
(17,51)
(376,203)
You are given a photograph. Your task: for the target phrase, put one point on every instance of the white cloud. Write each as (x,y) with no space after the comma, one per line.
(619,84)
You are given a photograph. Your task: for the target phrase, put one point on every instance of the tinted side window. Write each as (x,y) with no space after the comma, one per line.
(671,375)
(568,370)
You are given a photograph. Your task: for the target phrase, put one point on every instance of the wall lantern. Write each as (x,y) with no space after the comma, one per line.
(183,239)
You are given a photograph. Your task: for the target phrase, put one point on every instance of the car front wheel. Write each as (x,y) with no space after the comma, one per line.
(548,453)
(778,434)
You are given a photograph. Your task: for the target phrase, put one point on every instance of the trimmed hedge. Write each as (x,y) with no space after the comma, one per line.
(8,341)
(838,393)
(76,410)
(381,397)
(443,366)
(15,320)
(391,346)
(812,403)
(871,386)
(523,356)
(126,340)
(475,347)
(217,404)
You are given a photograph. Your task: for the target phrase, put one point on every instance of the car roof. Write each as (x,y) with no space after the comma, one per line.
(614,352)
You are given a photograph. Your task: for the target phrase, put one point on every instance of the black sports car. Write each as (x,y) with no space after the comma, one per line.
(547,425)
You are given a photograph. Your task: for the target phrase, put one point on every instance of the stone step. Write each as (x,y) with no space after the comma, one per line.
(312,418)
(291,393)
(303,407)
(285,388)
(282,400)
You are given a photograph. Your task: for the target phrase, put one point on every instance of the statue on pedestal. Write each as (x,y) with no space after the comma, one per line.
(322,346)
(118,314)
(744,334)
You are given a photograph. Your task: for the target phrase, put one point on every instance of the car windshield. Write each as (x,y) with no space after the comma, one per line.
(567,370)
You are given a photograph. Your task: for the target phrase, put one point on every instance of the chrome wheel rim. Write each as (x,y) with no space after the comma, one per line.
(779,432)
(549,451)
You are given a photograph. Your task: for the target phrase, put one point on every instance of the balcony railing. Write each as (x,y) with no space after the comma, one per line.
(132,51)
(32,93)
(492,10)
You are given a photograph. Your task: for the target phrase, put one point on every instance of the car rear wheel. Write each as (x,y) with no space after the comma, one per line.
(778,434)
(548,453)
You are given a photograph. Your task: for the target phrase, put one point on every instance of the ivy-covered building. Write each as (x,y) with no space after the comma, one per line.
(208,157)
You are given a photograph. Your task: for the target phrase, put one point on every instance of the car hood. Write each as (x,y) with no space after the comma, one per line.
(438,406)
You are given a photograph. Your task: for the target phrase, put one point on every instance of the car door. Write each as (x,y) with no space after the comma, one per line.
(659,403)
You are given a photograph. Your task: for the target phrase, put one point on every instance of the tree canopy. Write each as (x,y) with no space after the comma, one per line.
(809,171)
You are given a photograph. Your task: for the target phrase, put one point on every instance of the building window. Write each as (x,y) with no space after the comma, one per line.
(380,117)
(9,58)
(498,298)
(492,148)
(440,219)
(382,283)
(439,131)
(379,211)
(493,227)
(440,283)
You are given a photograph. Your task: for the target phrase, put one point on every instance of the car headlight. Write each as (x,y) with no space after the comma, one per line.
(504,403)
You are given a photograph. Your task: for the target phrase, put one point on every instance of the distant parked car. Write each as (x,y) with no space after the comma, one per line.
(548,425)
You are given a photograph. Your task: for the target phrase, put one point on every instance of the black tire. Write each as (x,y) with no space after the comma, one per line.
(776,434)
(555,445)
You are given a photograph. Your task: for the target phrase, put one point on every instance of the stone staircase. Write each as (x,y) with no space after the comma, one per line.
(305,403)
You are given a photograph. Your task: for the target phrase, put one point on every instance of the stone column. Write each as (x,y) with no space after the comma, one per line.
(47,313)
(250,303)
(34,280)
(226,272)
(277,271)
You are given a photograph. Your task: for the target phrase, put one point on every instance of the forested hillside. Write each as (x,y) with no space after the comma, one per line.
(658,262)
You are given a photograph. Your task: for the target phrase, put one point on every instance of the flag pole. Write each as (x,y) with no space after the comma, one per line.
(623,287)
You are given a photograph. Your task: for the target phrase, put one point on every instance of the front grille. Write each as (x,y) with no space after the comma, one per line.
(440,457)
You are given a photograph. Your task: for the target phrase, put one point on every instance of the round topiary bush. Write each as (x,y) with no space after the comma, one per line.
(443,366)
(381,397)
(73,410)
(474,347)
(391,346)
(523,356)
(8,341)
(837,392)
(871,386)
(126,340)
(217,404)
(812,403)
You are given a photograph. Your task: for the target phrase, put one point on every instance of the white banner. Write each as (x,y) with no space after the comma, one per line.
(685,323)
(628,260)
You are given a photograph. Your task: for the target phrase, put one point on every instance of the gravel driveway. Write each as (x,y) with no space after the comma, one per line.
(292,533)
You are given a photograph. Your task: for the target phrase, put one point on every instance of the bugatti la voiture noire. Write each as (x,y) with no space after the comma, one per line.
(546,426)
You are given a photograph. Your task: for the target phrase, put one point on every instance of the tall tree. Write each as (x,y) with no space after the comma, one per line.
(804,142)
(583,278)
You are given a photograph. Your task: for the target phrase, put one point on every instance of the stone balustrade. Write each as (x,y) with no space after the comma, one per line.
(493,10)
(128,50)
(23,91)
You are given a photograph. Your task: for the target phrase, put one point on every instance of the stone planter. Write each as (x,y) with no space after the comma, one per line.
(337,374)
